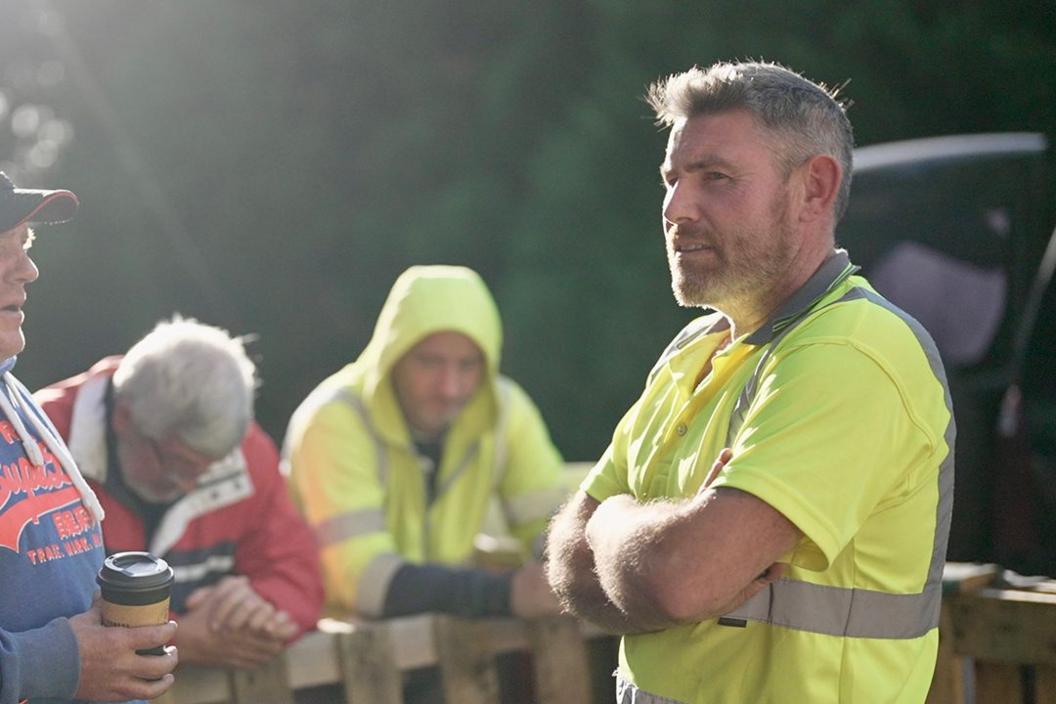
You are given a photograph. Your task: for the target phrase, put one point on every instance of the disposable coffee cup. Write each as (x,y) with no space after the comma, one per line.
(136,587)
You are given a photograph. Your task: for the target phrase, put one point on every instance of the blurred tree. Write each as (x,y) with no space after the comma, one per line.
(32,133)
(590,280)
(272,166)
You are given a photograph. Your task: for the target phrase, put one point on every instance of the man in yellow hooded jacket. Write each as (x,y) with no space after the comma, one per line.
(397,459)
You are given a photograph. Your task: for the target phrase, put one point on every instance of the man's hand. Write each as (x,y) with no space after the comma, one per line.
(530,595)
(201,645)
(721,461)
(232,604)
(220,630)
(110,668)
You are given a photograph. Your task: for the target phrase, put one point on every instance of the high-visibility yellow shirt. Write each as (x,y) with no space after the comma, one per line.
(839,417)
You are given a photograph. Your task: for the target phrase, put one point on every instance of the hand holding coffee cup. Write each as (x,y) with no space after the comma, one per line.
(136,587)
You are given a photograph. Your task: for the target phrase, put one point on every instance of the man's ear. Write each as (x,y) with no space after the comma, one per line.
(822,175)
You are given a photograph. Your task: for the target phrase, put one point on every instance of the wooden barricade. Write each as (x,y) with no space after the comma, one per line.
(562,672)
(365,663)
(366,660)
(1011,635)
(997,646)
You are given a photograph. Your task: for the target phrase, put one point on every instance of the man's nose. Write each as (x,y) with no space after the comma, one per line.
(451,383)
(26,272)
(680,205)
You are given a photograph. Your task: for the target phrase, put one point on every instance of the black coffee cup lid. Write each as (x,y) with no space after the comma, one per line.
(137,570)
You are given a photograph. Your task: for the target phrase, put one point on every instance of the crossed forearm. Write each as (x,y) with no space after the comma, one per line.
(577,587)
(650,562)
(624,539)
(631,566)
(573,577)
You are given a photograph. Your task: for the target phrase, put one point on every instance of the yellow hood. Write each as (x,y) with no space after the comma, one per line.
(425,300)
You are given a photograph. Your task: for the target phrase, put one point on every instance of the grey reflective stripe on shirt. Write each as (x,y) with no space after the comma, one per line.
(944,511)
(356,403)
(350,525)
(740,409)
(838,611)
(863,613)
(835,269)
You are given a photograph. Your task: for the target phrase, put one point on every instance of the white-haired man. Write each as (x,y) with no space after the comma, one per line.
(166,437)
(769,522)
(53,645)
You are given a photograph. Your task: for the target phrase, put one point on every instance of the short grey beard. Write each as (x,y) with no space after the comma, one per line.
(689,298)
(716,296)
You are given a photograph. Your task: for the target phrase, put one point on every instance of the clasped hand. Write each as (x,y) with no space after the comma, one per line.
(229,625)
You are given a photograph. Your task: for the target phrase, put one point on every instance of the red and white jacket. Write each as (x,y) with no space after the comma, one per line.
(239,520)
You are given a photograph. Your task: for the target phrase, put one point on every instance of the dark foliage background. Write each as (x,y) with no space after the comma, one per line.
(271,166)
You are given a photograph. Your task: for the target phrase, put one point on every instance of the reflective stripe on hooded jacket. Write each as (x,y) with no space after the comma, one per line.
(358,478)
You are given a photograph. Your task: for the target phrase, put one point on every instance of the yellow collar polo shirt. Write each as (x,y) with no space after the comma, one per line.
(838,415)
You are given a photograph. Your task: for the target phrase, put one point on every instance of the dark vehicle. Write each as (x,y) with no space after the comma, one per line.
(956,231)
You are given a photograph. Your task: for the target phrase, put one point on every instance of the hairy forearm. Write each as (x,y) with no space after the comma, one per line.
(577,588)
(627,542)
(571,573)
(651,560)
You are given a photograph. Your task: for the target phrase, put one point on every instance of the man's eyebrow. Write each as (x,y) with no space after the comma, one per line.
(702,164)
(708,162)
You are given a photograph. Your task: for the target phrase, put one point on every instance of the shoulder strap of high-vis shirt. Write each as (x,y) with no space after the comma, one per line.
(797,309)
(747,395)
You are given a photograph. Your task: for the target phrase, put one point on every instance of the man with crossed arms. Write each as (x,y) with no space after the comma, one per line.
(807,567)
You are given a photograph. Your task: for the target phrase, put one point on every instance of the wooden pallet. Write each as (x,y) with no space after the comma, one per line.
(366,659)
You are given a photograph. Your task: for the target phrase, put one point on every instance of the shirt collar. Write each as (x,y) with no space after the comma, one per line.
(832,271)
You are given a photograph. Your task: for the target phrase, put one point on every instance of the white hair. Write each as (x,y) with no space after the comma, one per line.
(189,379)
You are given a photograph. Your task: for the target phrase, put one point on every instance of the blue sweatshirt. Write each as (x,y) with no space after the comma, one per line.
(51,548)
